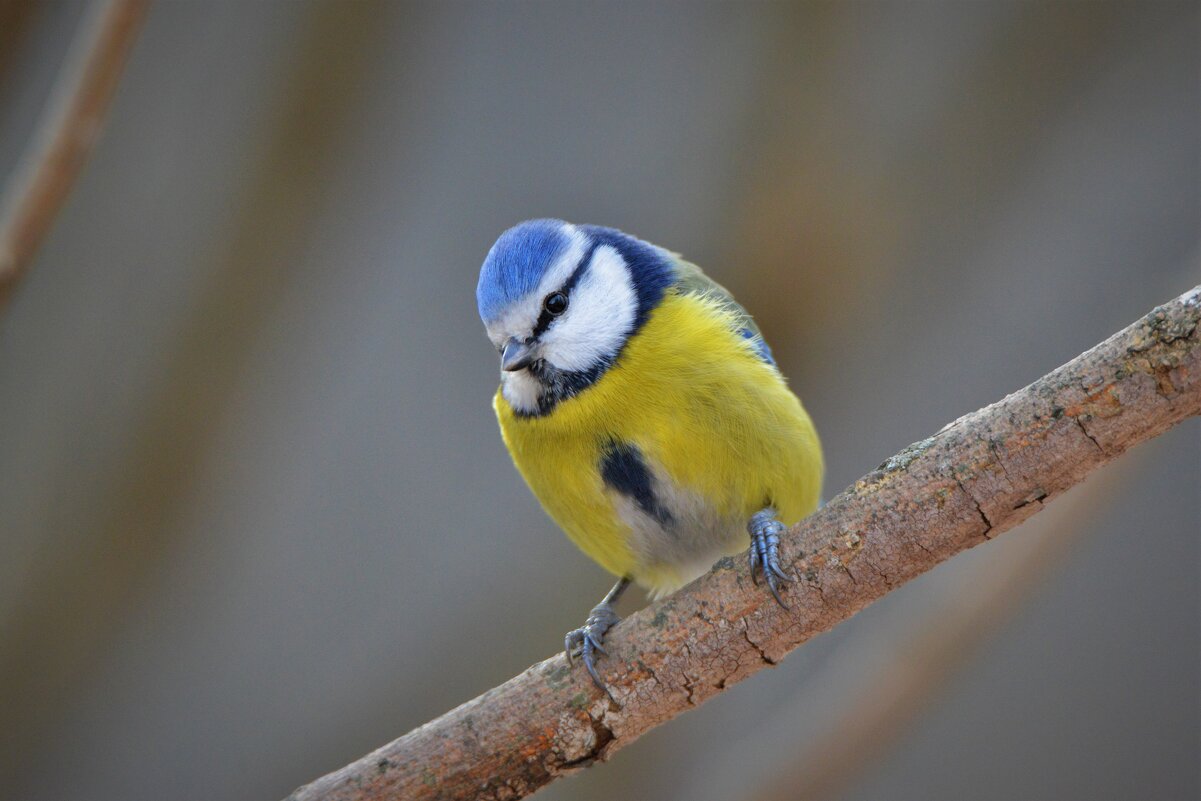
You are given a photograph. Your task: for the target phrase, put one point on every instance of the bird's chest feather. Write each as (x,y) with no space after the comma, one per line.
(654,469)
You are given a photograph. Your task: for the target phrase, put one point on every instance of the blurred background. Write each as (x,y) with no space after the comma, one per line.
(255,515)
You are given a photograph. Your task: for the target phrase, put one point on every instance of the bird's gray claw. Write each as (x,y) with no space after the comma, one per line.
(764,554)
(587,641)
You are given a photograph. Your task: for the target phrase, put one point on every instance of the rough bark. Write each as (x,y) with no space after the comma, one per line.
(977,477)
(883,709)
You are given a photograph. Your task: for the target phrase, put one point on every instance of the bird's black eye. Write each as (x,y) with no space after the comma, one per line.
(555,303)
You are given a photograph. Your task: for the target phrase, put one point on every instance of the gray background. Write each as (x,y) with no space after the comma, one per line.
(255,515)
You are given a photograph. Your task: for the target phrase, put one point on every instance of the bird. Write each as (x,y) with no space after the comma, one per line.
(645,411)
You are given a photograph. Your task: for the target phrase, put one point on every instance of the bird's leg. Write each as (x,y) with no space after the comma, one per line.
(764,555)
(587,640)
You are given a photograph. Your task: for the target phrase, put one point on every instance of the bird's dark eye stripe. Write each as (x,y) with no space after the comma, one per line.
(578,272)
(545,319)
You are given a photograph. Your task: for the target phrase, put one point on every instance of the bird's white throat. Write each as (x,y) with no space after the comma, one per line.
(587,337)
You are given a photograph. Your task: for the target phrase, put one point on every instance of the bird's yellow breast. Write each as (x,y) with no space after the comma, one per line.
(714,422)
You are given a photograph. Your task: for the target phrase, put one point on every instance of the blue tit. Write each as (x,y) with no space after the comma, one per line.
(644,410)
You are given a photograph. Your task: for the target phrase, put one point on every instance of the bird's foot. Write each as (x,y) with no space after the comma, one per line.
(588,640)
(764,554)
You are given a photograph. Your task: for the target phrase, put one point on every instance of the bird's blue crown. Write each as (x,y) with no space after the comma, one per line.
(521,256)
(516,263)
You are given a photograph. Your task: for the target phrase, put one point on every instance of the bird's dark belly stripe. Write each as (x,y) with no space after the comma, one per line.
(623,470)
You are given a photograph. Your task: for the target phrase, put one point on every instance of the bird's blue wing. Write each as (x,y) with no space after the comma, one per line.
(690,279)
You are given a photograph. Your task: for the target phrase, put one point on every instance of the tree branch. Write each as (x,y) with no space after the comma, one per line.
(982,474)
(69,128)
(886,704)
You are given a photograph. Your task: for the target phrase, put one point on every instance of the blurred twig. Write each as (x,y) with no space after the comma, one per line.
(78,596)
(69,128)
(977,477)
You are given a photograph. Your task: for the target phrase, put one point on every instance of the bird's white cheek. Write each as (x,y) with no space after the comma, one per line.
(599,319)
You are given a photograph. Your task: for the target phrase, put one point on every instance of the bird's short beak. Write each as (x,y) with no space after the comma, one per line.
(516,355)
